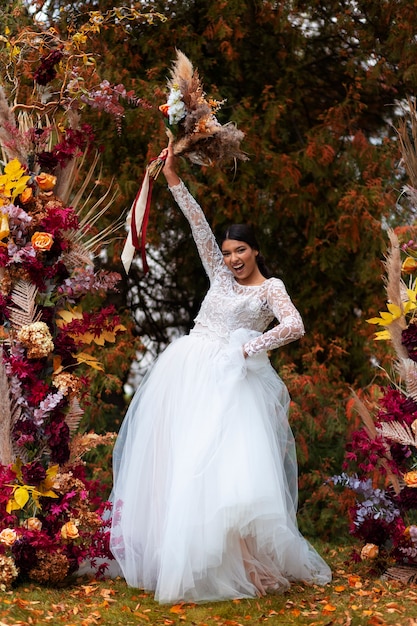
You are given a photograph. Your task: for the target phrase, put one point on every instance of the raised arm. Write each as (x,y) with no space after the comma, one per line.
(208,249)
(289,328)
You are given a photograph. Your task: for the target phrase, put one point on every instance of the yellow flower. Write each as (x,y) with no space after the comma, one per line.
(8,536)
(387,317)
(42,241)
(369,551)
(410,479)
(382,335)
(409,265)
(46,182)
(69,531)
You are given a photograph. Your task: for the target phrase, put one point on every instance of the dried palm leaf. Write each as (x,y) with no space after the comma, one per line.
(407,369)
(6,417)
(405,574)
(89,215)
(395,431)
(74,415)
(77,256)
(24,297)
(365,416)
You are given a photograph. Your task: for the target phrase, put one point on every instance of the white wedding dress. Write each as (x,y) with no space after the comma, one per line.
(205,472)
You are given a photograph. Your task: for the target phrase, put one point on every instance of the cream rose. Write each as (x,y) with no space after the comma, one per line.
(33,523)
(369,551)
(8,536)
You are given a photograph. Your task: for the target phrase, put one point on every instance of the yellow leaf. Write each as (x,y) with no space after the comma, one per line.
(12,505)
(68,315)
(21,495)
(82,357)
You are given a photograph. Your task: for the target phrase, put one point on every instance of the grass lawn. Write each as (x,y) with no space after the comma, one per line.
(353,599)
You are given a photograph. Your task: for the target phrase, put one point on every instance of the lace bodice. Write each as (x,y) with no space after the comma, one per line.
(229,306)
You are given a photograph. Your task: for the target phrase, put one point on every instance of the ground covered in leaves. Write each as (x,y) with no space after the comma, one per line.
(354,598)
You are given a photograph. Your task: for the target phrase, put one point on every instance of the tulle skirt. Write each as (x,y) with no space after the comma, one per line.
(205,479)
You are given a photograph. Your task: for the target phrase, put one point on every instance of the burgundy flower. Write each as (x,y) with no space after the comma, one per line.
(409,340)
(46,71)
(58,436)
(65,347)
(47,161)
(4,256)
(407,498)
(24,432)
(24,554)
(33,473)
(59,219)
(395,406)
(37,392)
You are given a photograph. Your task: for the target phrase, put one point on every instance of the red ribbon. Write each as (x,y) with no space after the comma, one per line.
(137,235)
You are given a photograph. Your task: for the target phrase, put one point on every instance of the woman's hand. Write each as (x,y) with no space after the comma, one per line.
(169,168)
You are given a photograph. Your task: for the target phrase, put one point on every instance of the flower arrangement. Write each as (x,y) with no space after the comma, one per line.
(382,454)
(51,514)
(191,119)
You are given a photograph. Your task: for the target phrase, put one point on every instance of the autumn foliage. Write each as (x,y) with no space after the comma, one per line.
(316,87)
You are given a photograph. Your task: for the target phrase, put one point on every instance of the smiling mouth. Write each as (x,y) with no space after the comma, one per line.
(238,268)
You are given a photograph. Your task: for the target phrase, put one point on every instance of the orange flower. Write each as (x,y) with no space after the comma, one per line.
(409,265)
(8,536)
(164,108)
(26,195)
(42,241)
(369,551)
(410,479)
(70,531)
(46,182)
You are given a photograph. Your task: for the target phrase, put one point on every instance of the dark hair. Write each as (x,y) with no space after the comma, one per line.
(245,232)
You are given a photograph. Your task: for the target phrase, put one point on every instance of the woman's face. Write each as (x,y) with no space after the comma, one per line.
(240,258)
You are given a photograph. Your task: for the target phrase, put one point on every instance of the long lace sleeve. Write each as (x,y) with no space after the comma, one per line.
(208,249)
(290,325)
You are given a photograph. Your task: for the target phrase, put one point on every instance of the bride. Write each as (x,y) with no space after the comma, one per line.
(205,472)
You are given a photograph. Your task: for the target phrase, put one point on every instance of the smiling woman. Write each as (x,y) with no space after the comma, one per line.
(205,473)
(241,255)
